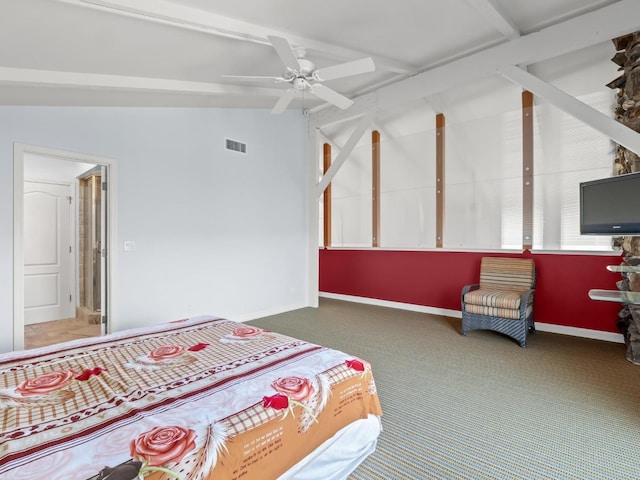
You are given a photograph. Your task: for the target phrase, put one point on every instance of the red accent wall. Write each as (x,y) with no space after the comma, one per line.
(435,279)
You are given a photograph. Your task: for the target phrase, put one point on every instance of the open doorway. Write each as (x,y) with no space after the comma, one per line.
(91,229)
(64,221)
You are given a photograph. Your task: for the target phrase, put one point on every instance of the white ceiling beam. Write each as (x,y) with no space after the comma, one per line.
(608,126)
(332,115)
(356,135)
(176,15)
(326,139)
(579,32)
(23,76)
(493,13)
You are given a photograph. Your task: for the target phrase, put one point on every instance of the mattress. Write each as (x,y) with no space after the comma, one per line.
(200,398)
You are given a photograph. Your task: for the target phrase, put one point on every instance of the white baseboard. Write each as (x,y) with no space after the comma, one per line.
(541,327)
(399,305)
(580,332)
(265,313)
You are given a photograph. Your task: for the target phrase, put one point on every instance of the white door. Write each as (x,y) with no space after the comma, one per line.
(47,252)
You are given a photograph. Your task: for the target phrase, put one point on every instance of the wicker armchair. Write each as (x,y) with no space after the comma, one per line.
(503,300)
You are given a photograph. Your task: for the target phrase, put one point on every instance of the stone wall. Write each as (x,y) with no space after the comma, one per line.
(627,111)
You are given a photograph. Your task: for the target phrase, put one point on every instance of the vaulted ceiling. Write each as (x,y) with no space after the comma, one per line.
(175,52)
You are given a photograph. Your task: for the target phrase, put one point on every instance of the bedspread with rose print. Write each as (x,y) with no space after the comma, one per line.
(201,398)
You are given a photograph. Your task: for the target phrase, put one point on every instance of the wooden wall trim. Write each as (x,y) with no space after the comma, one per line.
(527,170)
(326,199)
(440,162)
(375,188)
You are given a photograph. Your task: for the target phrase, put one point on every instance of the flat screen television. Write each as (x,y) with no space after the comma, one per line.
(610,206)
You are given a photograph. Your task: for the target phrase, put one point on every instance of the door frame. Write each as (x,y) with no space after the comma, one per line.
(19,150)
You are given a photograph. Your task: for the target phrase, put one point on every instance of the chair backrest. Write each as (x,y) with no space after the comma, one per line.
(516,274)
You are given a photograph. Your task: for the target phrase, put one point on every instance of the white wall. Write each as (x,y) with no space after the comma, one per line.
(216,231)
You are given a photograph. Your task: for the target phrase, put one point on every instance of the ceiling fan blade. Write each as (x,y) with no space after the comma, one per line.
(331,96)
(356,67)
(284,101)
(285,52)
(252,78)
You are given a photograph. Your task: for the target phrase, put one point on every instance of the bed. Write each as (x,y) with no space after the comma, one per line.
(200,398)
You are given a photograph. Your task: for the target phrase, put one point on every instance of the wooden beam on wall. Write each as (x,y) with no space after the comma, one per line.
(353,140)
(527,170)
(440,158)
(375,188)
(606,125)
(326,154)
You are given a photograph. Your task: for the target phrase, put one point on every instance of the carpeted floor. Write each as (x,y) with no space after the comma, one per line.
(480,407)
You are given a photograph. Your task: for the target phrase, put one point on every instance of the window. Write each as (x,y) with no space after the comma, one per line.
(567,152)
(407,184)
(483,167)
(351,199)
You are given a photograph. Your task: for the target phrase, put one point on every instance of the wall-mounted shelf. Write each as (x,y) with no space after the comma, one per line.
(615,296)
(624,268)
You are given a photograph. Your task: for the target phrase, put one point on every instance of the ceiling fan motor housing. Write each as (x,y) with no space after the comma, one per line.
(306,66)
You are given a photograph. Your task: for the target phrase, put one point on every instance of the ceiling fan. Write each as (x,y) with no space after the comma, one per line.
(301,73)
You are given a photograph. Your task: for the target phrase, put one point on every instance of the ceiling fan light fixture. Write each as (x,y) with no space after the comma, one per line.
(299,83)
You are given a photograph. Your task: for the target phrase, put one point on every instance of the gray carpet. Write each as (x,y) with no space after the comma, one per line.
(480,407)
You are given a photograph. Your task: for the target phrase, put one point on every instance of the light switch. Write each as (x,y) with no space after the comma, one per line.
(129,246)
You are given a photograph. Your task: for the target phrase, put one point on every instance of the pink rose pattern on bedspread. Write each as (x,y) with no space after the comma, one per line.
(46,389)
(154,450)
(171,449)
(298,391)
(246,334)
(46,383)
(166,352)
(167,356)
(296,388)
(163,444)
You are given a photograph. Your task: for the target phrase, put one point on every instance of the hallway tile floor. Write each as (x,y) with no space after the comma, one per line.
(48,333)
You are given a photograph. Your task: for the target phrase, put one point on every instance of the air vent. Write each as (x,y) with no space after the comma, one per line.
(236,146)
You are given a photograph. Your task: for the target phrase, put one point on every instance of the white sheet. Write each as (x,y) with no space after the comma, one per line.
(336,458)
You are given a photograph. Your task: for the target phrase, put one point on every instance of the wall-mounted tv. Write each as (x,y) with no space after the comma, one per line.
(611,206)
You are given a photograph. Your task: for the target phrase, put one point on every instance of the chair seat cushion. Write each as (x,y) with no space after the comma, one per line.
(511,313)
(493,298)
